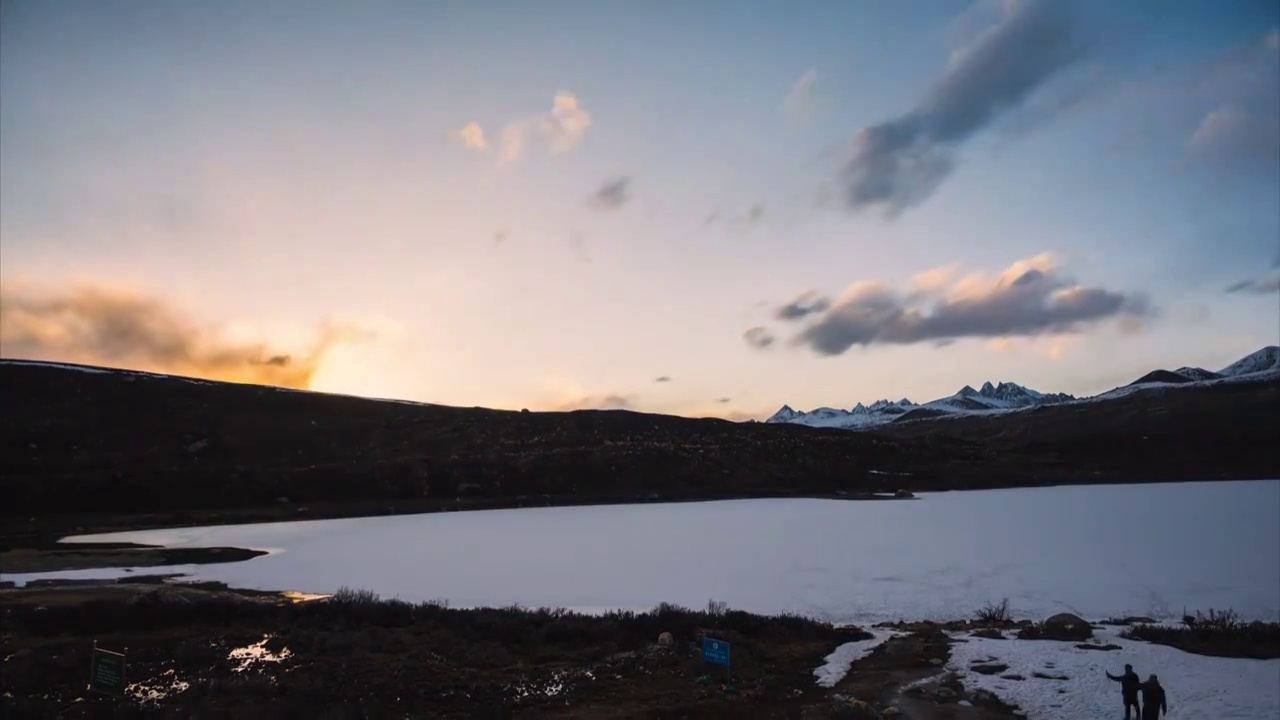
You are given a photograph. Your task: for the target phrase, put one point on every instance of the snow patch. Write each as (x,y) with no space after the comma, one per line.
(838,662)
(1196,686)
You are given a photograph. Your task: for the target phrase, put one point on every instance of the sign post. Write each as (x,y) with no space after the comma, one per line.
(106,672)
(716,652)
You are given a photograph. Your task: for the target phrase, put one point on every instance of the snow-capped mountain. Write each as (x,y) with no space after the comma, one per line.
(1265,360)
(1003,396)
(1007,397)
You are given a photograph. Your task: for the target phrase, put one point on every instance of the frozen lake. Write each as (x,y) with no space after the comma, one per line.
(1096,551)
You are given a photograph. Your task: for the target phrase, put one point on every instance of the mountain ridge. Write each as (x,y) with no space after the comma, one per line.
(1006,397)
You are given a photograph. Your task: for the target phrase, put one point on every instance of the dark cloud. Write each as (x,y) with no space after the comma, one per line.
(807,304)
(901,162)
(612,195)
(1074,91)
(758,337)
(1030,298)
(724,400)
(662,379)
(1240,130)
(1257,286)
(738,222)
(121,328)
(611,401)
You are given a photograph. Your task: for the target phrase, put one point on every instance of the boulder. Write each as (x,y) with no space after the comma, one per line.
(859,710)
(666,640)
(1066,626)
(1063,626)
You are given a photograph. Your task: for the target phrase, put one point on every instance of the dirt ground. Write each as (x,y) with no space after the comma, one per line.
(361,657)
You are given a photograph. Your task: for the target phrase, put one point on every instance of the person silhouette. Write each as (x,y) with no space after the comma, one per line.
(1153,699)
(1129,685)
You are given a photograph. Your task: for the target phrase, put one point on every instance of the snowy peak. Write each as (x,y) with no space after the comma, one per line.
(784,414)
(1197,374)
(1000,396)
(1265,360)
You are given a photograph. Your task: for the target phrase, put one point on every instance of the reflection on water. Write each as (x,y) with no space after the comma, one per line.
(249,655)
(166,684)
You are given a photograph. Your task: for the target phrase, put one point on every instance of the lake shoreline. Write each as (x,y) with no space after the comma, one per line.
(61,557)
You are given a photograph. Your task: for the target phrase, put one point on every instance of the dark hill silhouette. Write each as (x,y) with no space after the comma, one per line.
(98,449)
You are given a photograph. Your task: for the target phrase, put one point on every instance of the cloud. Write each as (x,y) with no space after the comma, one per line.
(662,379)
(1240,131)
(1234,136)
(743,222)
(1029,298)
(758,337)
(802,104)
(1257,286)
(935,279)
(115,327)
(613,194)
(807,304)
(598,402)
(723,400)
(562,129)
(471,136)
(901,162)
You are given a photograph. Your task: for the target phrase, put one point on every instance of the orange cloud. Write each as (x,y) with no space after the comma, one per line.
(120,327)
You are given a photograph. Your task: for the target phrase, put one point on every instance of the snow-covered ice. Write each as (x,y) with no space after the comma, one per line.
(1196,686)
(836,665)
(1096,551)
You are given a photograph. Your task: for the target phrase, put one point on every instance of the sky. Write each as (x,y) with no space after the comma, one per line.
(703,209)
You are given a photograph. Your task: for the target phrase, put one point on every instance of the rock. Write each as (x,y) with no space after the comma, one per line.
(891,711)
(843,709)
(945,693)
(1013,676)
(1094,646)
(935,661)
(666,640)
(198,445)
(989,669)
(860,710)
(1066,626)
(1047,676)
(983,696)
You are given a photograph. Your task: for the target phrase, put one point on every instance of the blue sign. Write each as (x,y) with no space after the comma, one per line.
(715,652)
